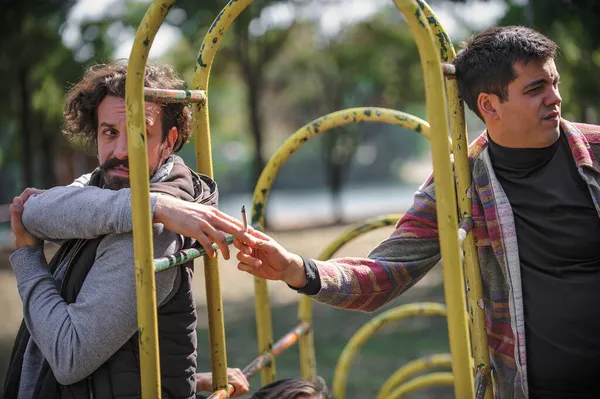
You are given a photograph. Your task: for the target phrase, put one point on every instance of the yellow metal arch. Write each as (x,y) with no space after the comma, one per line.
(357,230)
(411,369)
(422,382)
(368,330)
(267,178)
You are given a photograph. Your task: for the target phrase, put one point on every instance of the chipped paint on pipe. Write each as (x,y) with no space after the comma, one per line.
(267,358)
(317,127)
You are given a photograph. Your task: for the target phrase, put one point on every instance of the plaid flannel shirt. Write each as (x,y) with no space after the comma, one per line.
(412,250)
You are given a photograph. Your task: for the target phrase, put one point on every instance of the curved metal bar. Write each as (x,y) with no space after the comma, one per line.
(411,369)
(268,357)
(174,96)
(201,131)
(369,329)
(267,177)
(185,255)
(425,381)
(446,203)
(315,128)
(443,43)
(308,362)
(140,199)
(357,230)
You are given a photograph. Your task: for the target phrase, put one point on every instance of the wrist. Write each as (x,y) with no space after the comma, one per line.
(203,382)
(295,275)
(158,209)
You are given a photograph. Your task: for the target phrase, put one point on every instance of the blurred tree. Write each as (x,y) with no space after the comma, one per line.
(36,68)
(249,46)
(32,60)
(372,63)
(573,25)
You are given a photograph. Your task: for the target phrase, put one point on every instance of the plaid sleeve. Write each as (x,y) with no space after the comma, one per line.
(395,265)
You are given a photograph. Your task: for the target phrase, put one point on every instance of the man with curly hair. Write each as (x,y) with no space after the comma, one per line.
(79,336)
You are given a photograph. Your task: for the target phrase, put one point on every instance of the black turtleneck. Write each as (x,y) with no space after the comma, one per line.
(558,234)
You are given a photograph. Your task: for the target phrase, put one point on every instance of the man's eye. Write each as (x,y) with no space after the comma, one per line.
(110,132)
(534,90)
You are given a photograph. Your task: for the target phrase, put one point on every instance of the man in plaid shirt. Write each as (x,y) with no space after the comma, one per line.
(536,197)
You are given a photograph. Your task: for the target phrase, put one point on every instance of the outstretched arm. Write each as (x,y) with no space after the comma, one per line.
(356,283)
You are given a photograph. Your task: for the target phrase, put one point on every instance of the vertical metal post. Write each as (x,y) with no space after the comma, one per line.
(460,145)
(445,198)
(140,200)
(201,129)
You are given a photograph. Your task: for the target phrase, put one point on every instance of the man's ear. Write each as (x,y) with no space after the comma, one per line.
(172,137)
(485,104)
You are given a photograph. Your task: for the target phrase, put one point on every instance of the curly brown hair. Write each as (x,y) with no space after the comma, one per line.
(83,99)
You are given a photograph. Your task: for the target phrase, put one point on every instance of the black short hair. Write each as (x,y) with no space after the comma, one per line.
(485,63)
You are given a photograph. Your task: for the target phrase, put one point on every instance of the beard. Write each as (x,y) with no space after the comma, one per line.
(113,182)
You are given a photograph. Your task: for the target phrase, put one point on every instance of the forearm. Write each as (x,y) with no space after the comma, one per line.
(63,213)
(367,284)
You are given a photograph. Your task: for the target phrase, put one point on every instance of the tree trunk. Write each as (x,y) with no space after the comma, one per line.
(27,150)
(254,82)
(48,160)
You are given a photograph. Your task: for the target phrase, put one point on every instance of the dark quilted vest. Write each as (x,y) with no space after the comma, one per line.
(119,377)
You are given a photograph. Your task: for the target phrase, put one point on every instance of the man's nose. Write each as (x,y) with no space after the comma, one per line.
(121,147)
(554,97)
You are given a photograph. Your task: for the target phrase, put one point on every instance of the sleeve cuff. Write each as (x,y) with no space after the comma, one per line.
(313,280)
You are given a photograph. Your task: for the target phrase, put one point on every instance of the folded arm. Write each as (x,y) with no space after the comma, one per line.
(77,338)
(78,211)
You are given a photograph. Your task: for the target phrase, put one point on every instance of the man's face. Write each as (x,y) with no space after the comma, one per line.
(112,141)
(530,117)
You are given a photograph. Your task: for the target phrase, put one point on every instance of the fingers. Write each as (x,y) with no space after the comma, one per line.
(239,381)
(248,259)
(206,244)
(28,192)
